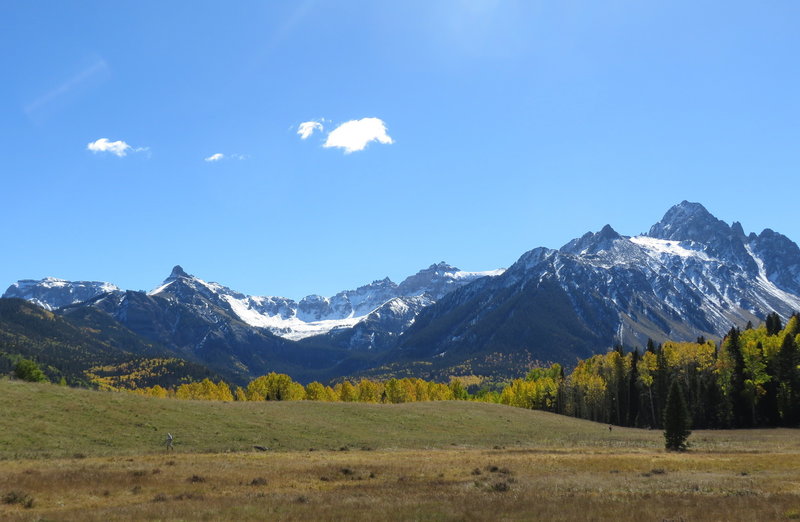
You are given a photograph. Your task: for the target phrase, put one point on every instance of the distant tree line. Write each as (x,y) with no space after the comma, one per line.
(281,387)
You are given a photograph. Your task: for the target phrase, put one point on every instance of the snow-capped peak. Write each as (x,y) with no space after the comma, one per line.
(440,279)
(51,293)
(689,221)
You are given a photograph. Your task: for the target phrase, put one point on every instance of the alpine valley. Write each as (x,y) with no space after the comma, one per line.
(690,275)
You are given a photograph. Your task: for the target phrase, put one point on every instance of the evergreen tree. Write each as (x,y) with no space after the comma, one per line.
(788,381)
(740,408)
(774,325)
(768,406)
(661,382)
(793,325)
(633,390)
(676,419)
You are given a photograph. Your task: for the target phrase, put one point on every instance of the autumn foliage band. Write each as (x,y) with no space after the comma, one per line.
(752,378)
(281,387)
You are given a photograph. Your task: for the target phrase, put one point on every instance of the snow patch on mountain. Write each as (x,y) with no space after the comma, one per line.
(461,274)
(291,327)
(769,287)
(660,247)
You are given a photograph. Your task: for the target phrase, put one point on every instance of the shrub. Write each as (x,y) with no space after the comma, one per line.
(18,497)
(28,370)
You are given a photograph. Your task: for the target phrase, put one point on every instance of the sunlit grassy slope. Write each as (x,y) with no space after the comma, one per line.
(42,420)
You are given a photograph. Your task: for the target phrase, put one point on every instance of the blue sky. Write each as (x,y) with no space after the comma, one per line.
(508,125)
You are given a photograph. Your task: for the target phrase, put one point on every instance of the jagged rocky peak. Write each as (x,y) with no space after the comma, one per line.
(379,283)
(689,221)
(608,233)
(592,242)
(181,285)
(432,280)
(441,267)
(177,272)
(692,222)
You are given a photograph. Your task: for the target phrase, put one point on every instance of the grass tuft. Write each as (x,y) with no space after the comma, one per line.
(500,487)
(18,497)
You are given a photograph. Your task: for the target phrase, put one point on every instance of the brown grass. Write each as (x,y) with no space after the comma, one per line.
(410,484)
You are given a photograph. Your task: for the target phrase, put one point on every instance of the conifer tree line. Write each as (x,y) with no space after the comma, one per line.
(752,378)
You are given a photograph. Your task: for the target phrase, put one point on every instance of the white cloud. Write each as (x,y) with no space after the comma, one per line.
(354,135)
(220,156)
(307,128)
(118,148)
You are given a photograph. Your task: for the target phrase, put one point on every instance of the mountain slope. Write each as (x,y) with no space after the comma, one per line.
(196,324)
(241,336)
(691,275)
(85,345)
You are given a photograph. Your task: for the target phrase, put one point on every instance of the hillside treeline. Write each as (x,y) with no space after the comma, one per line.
(752,378)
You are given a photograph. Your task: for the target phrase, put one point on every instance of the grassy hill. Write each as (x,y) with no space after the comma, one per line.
(43,420)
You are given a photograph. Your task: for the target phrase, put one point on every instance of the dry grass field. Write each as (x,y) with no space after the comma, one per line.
(78,455)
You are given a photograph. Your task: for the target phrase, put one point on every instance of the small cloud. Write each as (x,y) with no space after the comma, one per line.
(118,148)
(220,156)
(307,128)
(354,135)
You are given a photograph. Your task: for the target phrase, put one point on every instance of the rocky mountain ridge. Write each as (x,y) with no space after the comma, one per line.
(393,304)
(691,274)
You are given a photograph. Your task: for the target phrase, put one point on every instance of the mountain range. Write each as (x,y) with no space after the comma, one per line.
(690,275)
